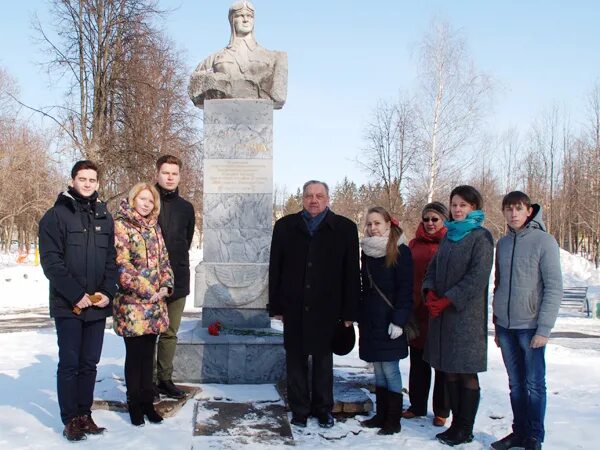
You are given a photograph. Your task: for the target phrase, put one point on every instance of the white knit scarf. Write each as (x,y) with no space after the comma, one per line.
(376,246)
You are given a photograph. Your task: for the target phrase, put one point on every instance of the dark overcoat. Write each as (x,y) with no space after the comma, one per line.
(376,315)
(77,253)
(457,339)
(177,222)
(313,280)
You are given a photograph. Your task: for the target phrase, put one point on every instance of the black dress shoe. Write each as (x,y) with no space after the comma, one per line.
(326,420)
(298,421)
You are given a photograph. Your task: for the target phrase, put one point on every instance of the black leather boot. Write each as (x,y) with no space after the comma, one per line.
(453,388)
(381,407)
(469,404)
(391,424)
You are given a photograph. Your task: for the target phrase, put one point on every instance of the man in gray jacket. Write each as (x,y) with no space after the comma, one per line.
(527,296)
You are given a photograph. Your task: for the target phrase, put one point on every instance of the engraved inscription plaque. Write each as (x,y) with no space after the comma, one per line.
(233,176)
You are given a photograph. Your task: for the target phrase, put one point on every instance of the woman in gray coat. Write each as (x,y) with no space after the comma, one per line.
(456,286)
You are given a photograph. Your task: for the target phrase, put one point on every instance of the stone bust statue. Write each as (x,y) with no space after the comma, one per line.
(243,69)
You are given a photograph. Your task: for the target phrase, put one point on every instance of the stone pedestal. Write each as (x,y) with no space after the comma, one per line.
(231,281)
(229,359)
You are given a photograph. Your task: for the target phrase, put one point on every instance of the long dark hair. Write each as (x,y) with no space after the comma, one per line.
(391,249)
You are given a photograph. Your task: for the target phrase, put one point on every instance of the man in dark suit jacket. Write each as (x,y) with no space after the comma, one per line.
(177,222)
(77,252)
(314,281)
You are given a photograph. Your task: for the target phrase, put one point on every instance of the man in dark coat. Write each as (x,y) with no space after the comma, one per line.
(77,252)
(314,281)
(177,222)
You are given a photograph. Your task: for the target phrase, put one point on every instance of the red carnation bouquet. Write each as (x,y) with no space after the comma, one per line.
(214,328)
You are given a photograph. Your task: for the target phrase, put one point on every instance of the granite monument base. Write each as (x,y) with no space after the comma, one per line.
(229,358)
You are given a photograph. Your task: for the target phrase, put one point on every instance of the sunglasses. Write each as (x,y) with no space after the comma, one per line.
(430,219)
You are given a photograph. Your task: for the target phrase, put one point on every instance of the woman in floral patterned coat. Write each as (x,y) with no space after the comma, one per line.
(139,308)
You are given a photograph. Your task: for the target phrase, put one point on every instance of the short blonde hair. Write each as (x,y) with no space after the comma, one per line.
(142,186)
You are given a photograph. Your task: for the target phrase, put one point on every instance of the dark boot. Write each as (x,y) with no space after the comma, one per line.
(391,425)
(463,433)
(169,389)
(148,407)
(136,415)
(72,431)
(381,407)
(453,389)
(151,414)
(88,426)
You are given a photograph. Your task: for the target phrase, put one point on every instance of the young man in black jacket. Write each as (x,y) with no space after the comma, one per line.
(77,252)
(177,221)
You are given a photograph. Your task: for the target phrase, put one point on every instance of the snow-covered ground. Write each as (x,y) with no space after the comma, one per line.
(29,412)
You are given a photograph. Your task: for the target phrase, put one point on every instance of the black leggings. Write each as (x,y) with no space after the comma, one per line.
(139,365)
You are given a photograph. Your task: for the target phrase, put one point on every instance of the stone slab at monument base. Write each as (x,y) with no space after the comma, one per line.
(229,358)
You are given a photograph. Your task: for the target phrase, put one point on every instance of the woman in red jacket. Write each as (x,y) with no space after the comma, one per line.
(423,247)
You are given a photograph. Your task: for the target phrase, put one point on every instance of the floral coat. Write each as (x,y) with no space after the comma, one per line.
(144,268)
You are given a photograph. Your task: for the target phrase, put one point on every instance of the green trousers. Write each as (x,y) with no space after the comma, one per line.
(167,342)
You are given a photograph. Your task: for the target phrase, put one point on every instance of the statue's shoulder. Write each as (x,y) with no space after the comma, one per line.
(209,62)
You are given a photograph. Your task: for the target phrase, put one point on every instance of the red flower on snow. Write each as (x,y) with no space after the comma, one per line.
(214,328)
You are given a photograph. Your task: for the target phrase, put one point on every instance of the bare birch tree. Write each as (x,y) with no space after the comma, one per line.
(453,98)
(509,150)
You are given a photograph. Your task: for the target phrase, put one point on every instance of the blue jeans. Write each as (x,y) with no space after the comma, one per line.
(526,368)
(387,375)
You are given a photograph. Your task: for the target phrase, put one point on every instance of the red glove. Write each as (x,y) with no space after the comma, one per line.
(436,307)
(430,297)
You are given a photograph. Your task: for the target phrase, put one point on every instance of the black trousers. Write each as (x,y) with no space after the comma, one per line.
(419,381)
(301,402)
(79,350)
(139,365)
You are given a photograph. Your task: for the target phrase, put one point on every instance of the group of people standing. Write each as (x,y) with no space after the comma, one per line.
(134,268)
(436,288)
(320,277)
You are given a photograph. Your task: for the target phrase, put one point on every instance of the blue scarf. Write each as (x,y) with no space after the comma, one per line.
(458,229)
(313,222)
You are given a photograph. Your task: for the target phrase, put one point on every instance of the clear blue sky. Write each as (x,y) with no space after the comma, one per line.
(345,55)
